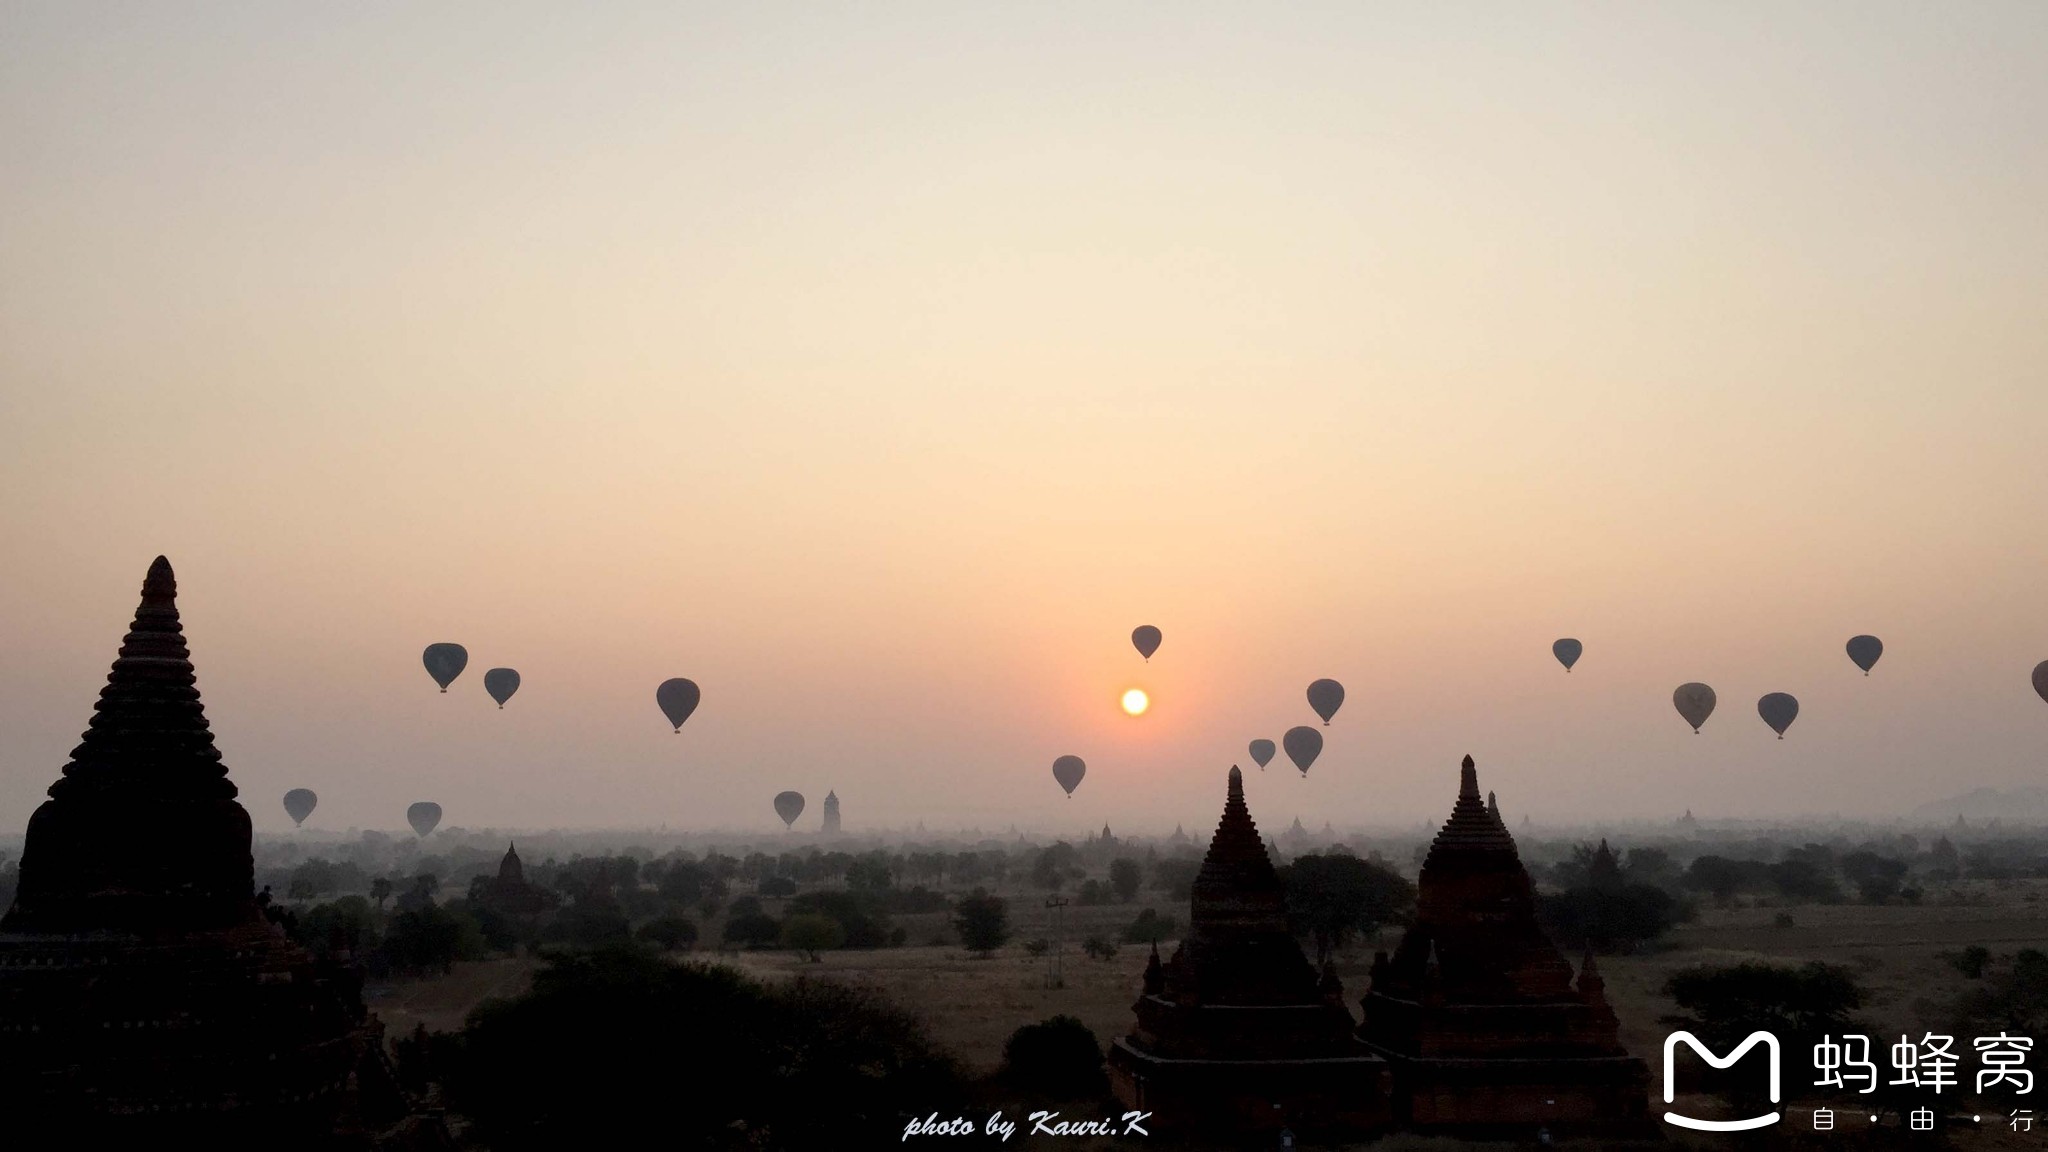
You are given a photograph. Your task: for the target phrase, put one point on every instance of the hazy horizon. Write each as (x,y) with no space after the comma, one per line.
(880,370)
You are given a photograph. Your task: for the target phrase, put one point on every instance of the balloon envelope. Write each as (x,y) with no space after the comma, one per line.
(678,698)
(1325,696)
(1145,638)
(1695,702)
(1567,652)
(1778,709)
(1262,753)
(789,806)
(2041,679)
(1303,745)
(1865,650)
(299,804)
(423,817)
(445,662)
(501,683)
(1068,770)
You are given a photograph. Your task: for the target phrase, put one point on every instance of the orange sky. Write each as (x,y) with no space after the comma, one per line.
(881,369)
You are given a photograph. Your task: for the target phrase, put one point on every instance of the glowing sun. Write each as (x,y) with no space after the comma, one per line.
(1135,702)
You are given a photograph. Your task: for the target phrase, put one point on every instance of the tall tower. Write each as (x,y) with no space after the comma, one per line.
(831,814)
(145,997)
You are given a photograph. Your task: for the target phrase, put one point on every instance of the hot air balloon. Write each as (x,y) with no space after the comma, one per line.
(445,662)
(2041,679)
(1865,650)
(1695,702)
(1068,770)
(1262,753)
(1326,696)
(678,698)
(299,804)
(1303,745)
(1778,709)
(1145,638)
(423,817)
(1567,652)
(789,806)
(501,683)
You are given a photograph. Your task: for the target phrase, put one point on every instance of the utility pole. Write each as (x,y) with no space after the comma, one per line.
(1057,905)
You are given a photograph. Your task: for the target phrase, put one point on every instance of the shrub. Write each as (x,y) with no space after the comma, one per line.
(1058,1059)
(752,931)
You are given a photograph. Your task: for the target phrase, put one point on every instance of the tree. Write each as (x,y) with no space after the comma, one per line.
(380,891)
(1330,897)
(870,873)
(1051,867)
(1099,948)
(1176,877)
(1150,928)
(669,933)
(752,930)
(1058,1059)
(808,934)
(776,886)
(983,921)
(796,1064)
(1877,878)
(1125,876)
(429,939)
(1616,918)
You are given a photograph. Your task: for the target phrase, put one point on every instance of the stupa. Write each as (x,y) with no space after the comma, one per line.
(1238,1033)
(1476,1011)
(145,1000)
(831,827)
(509,892)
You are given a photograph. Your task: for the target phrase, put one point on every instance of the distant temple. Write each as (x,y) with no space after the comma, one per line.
(1238,1032)
(831,827)
(1179,837)
(509,893)
(145,998)
(1476,1011)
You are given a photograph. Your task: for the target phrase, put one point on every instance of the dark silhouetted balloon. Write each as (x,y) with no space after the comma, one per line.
(423,817)
(1145,638)
(501,683)
(299,804)
(1865,650)
(1303,745)
(1068,770)
(2041,679)
(678,698)
(1695,702)
(1326,696)
(1262,753)
(1567,652)
(789,806)
(1778,709)
(445,662)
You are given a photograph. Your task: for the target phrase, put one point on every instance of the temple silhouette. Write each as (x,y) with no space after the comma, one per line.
(1473,1027)
(1238,1032)
(145,997)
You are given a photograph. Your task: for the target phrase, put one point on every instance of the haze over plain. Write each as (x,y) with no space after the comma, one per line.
(881,370)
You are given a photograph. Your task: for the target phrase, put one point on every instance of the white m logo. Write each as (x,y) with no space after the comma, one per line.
(1670,1088)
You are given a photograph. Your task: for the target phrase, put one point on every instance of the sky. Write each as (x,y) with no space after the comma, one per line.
(881,366)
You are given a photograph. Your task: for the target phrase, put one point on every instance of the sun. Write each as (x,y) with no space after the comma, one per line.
(1135,702)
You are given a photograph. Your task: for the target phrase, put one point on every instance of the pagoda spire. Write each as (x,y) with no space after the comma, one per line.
(148,735)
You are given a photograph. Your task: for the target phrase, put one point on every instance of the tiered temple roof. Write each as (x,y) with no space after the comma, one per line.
(144,996)
(1238,1031)
(1476,1009)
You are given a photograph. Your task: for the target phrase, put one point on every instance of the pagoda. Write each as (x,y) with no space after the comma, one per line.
(1477,1012)
(1238,1033)
(509,893)
(145,999)
(831,827)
